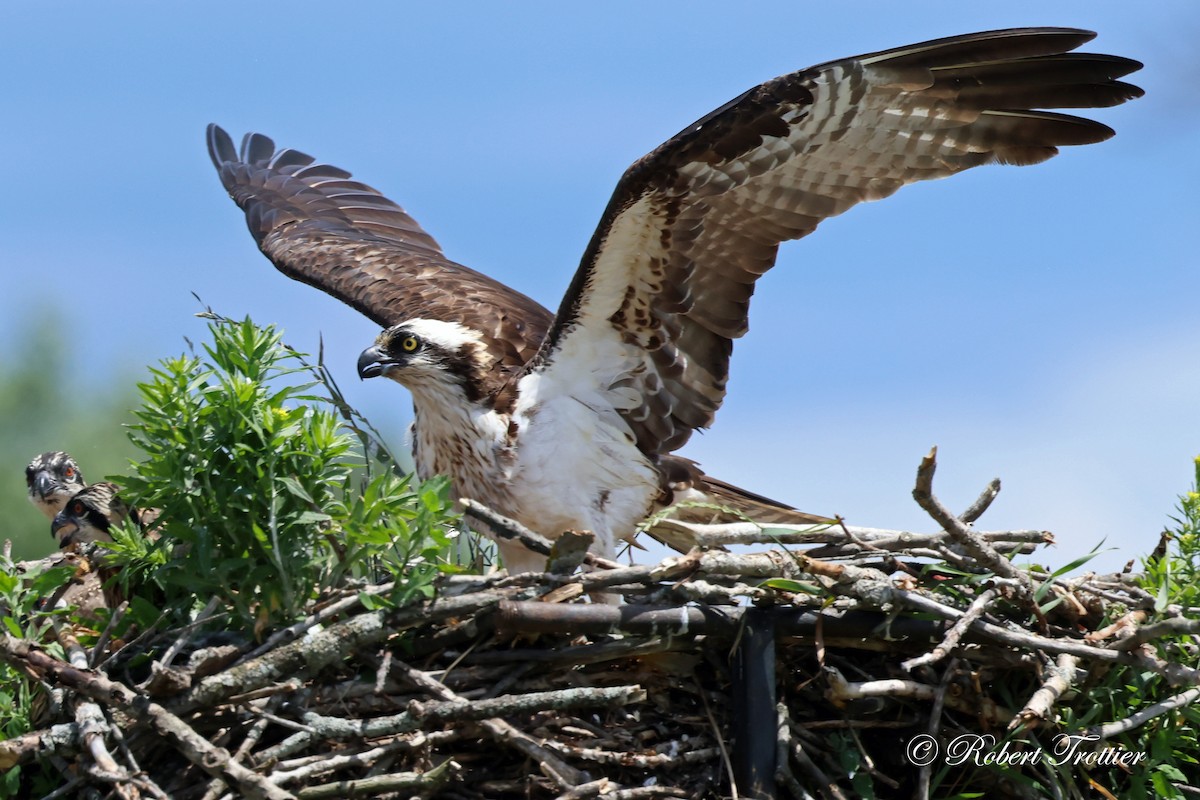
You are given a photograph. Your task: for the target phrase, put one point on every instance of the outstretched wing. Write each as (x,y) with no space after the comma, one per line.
(665,284)
(348,240)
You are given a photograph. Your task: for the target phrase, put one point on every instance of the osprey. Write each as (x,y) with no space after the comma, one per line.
(89,515)
(52,479)
(570,420)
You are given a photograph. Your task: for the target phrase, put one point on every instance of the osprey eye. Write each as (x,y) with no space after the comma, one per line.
(77,508)
(69,472)
(409,344)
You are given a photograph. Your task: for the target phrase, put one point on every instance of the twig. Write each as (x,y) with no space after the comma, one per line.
(209,609)
(92,728)
(783,747)
(610,791)
(322,648)
(982,503)
(326,764)
(977,608)
(849,537)
(646,761)
(578,655)
(294,632)
(1024,641)
(925,771)
(38,744)
(1058,680)
(217,786)
(512,530)
(318,727)
(409,782)
(1110,729)
(726,761)
(816,776)
(558,700)
(92,725)
(101,645)
(1174,626)
(972,542)
(557,770)
(190,744)
(586,791)
(646,792)
(842,691)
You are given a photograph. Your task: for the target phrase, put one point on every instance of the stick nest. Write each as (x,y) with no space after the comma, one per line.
(804,662)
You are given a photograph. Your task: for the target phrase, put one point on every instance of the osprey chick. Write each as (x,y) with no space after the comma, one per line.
(52,479)
(570,421)
(89,515)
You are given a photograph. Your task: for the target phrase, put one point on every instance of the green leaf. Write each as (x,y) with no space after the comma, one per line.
(47,582)
(1172,773)
(790,585)
(13,627)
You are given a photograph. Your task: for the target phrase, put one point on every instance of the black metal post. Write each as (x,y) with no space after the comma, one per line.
(754,707)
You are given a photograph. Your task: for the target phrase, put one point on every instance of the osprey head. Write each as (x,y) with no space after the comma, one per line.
(427,354)
(88,516)
(52,479)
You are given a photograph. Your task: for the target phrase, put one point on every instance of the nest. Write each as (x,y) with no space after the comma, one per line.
(825,665)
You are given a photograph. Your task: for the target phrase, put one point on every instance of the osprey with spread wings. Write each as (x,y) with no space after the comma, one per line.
(570,420)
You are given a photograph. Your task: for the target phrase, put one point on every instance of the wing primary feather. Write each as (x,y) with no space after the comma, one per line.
(691,226)
(320,227)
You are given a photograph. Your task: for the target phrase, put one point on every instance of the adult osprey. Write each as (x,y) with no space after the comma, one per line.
(568,421)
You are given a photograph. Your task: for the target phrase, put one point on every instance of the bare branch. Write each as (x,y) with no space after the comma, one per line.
(1059,679)
(975,545)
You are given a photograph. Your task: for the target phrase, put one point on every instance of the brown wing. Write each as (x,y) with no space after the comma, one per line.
(348,240)
(665,284)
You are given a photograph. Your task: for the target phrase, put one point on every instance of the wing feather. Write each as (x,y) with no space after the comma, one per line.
(665,283)
(321,227)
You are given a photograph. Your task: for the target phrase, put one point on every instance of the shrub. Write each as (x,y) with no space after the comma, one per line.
(267,498)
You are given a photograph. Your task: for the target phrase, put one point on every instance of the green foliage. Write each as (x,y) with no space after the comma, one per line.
(266,501)
(21,618)
(1171,741)
(19,596)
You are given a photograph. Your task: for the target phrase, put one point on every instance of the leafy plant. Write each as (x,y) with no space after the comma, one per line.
(266,498)
(21,592)
(1170,741)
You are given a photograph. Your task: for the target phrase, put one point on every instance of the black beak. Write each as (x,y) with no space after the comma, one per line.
(43,484)
(64,529)
(370,362)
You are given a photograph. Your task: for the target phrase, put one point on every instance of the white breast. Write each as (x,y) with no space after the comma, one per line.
(577,462)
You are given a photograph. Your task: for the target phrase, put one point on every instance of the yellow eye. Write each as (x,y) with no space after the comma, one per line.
(409,344)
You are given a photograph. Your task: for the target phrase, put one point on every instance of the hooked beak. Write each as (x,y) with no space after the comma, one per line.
(63,529)
(43,484)
(371,362)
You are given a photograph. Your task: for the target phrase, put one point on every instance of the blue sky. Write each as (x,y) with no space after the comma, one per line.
(1037,324)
